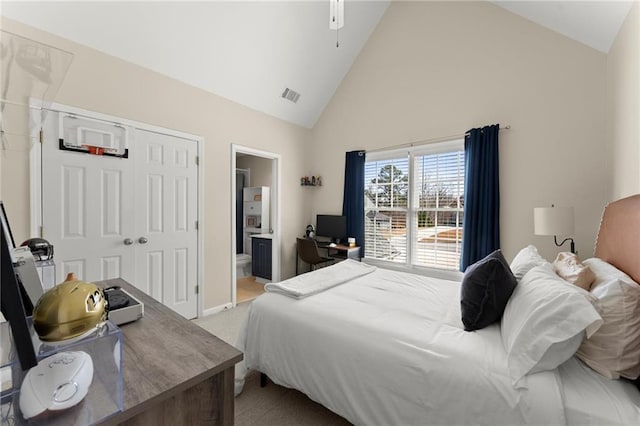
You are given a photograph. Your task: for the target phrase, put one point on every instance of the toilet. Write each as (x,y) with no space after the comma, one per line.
(243,265)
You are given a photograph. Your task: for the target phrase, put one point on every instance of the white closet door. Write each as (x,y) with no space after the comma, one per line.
(133,218)
(87,203)
(166,213)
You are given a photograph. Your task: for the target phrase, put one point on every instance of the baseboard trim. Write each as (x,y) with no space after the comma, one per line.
(216,309)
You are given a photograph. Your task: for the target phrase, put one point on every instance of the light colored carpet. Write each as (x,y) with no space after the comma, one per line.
(272,405)
(226,324)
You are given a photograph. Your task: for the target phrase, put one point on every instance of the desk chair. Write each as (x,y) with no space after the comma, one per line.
(308,252)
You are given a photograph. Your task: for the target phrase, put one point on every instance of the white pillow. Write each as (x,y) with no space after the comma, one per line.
(614,350)
(604,272)
(544,322)
(526,259)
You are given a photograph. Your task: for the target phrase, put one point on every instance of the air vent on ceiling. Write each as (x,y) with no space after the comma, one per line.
(291,95)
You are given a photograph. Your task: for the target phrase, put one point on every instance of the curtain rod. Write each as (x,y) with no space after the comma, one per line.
(428,141)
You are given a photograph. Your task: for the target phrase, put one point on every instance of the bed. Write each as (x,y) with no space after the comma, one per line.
(389,348)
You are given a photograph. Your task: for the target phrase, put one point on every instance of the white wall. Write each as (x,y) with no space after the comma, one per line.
(102,83)
(434,69)
(623,97)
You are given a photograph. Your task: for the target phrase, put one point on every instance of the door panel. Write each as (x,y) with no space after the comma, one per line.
(181,262)
(110,204)
(154,209)
(74,190)
(64,267)
(111,266)
(154,282)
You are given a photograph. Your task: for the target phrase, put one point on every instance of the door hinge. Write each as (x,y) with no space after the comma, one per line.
(41,136)
(197,224)
(197,160)
(41,231)
(197,289)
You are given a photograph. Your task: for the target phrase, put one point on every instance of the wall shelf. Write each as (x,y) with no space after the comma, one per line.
(311,181)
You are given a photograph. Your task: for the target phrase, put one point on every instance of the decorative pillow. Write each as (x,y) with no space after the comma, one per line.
(544,322)
(486,288)
(568,266)
(526,259)
(614,350)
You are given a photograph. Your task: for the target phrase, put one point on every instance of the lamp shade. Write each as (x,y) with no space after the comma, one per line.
(553,221)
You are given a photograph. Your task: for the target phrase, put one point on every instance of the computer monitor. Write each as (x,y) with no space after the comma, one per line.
(14,301)
(331,226)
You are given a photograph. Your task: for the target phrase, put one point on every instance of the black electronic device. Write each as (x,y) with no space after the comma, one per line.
(14,301)
(122,306)
(331,226)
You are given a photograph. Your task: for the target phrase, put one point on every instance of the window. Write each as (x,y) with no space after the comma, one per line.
(414,201)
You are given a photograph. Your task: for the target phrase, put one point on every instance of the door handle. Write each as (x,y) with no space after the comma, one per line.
(128,241)
(143,240)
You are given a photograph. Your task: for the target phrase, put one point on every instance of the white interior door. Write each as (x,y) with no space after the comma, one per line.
(133,218)
(166,215)
(87,201)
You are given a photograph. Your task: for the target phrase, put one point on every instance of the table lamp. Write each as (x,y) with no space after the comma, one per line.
(554,221)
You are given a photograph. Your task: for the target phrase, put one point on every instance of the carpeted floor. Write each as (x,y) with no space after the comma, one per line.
(272,405)
(225,324)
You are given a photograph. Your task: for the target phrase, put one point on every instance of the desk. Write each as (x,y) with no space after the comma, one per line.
(339,252)
(175,372)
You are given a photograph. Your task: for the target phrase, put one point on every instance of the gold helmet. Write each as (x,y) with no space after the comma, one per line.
(69,310)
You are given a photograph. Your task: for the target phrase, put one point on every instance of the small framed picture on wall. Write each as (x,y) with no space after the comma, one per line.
(252,221)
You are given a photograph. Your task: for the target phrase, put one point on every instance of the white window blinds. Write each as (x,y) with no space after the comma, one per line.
(386,205)
(414,205)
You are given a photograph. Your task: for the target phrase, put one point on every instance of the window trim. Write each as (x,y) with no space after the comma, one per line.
(445,274)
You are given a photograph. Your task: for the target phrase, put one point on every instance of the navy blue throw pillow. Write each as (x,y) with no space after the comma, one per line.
(485,291)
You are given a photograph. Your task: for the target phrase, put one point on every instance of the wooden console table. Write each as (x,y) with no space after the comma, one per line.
(175,372)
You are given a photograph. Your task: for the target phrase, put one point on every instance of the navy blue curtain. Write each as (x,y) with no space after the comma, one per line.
(239,213)
(481,228)
(353,198)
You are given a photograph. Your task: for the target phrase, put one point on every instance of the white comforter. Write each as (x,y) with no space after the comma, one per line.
(389,348)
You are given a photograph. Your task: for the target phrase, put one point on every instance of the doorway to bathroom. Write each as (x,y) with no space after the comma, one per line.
(255,222)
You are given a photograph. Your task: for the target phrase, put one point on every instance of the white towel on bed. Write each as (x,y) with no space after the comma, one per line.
(320,280)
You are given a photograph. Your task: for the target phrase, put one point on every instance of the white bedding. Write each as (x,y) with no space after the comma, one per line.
(389,348)
(306,285)
(591,399)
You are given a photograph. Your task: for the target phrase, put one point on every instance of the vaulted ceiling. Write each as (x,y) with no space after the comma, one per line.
(250,52)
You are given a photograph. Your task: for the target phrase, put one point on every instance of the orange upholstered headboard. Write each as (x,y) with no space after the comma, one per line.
(618,240)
